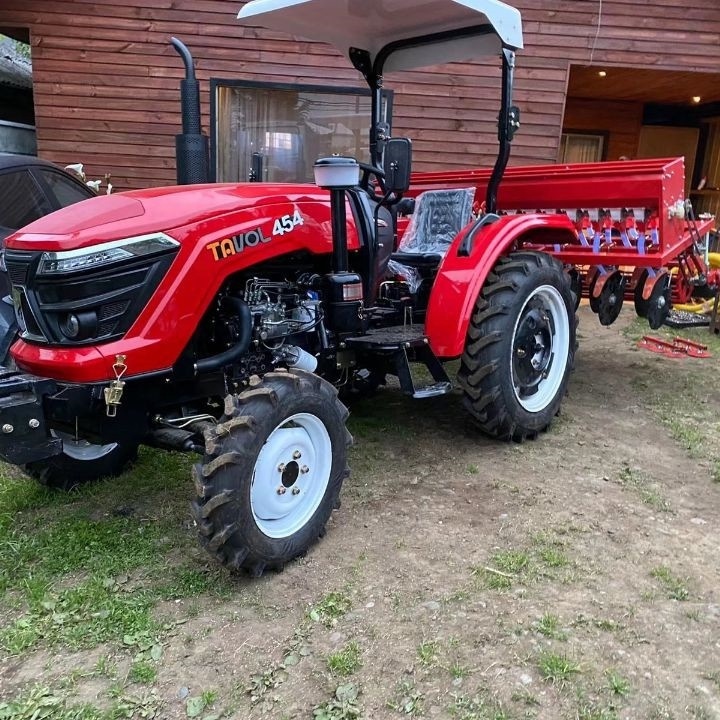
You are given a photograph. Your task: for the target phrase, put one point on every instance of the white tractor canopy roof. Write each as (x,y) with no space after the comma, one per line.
(462,29)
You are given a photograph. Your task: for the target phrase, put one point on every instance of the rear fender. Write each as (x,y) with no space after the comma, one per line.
(461,277)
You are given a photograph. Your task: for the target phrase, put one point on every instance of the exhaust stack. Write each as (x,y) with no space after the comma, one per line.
(191,147)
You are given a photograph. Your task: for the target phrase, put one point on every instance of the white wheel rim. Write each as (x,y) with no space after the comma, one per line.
(291,475)
(539,356)
(82,450)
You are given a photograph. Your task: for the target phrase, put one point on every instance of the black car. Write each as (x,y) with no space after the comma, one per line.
(29,189)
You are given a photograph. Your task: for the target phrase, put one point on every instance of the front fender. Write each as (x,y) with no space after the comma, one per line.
(460,278)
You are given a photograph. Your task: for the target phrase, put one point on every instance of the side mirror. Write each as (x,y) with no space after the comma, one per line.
(397,164)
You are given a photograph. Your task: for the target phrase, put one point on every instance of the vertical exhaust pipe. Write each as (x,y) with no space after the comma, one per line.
(191,146)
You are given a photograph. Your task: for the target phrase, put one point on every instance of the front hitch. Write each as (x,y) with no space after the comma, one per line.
(24,435)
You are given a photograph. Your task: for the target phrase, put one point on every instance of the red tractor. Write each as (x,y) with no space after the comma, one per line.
(222,319)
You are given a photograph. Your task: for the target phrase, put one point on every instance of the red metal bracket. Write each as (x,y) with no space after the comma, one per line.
(679,347)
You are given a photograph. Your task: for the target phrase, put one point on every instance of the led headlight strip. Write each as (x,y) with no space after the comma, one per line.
(68,261)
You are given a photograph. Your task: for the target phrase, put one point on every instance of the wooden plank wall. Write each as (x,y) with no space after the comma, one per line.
(621,120)
(106,79)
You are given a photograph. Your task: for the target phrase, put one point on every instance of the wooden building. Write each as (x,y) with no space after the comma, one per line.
(597,79)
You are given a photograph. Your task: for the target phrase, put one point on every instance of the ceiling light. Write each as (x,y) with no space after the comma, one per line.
(696,99)
(602,73)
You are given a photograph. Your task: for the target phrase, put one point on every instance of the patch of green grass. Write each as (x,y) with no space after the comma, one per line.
(674,587)
(473,469)
(427,652)
(346,661)
(478,707)
(593,711)
(458,671)
(502,569)
(637,481)
(511,561)
(617,684)
(143,671)
(549,626)
(557,669)
(553,558)
(330,608)
(41,703)
(81,617)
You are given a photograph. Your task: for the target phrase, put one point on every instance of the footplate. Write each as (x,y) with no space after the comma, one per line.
(24,436)
(406,344)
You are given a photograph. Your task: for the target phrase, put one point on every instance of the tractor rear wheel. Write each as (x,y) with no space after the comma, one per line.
(272,472)
(520,347)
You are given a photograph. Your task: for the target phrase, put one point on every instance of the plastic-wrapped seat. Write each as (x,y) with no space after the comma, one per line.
(438,217)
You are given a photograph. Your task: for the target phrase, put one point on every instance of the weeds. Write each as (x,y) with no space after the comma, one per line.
(557,669)
(478,707)
(427,653)
(342,706)
(549,626)
(617,684)
(639,483)
(330,609)
(674,586)
(346,661)
(409,700)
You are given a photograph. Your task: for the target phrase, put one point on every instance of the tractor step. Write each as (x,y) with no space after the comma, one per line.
(405,344)
(392,337)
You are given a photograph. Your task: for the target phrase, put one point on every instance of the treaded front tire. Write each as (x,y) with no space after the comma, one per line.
(520,347)
(272,472)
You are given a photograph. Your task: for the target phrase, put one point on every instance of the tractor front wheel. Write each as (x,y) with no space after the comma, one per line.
(272,471)
(520,347)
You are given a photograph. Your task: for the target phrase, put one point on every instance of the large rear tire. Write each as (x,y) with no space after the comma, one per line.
(520,347)
(272,472)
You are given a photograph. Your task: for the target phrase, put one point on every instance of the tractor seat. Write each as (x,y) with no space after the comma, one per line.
(439,216)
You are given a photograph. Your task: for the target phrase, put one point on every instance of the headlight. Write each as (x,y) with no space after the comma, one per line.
(68,261)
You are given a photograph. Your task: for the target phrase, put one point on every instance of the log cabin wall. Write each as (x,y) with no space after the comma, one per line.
(106,78)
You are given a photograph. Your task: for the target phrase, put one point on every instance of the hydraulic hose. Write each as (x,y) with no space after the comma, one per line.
(231,355)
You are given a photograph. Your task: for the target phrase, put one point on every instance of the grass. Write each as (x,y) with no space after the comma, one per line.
(427,652)
(330,608)
(617,684)
(408,700)
(346,661)
(549,626)
(675,588)
(557,669)
(477,707)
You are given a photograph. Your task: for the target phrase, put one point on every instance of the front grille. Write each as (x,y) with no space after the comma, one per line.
(107,299)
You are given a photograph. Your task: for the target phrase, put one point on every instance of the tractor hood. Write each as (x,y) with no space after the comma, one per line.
(139,212)
(401,34)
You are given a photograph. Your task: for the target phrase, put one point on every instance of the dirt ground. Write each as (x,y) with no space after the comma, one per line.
(577,576)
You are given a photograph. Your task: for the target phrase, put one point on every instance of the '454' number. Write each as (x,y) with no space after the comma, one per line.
(286,223)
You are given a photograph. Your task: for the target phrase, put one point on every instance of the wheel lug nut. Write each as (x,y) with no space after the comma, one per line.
(521,353)
(281,467)
(281,490)
(296,491)
(304,469)
(297,454)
